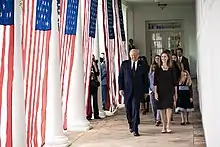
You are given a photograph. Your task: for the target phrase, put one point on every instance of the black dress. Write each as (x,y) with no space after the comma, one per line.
(165,80)
(184,94)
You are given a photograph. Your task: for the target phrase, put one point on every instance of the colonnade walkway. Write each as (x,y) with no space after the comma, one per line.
(113,132)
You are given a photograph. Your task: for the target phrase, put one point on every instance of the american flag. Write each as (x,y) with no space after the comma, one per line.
(69,15)
(89,29)
(11,79)
(120,41)
(6,69)
(35,42)
(110,48)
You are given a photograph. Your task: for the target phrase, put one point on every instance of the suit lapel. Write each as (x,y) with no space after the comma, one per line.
(138,65)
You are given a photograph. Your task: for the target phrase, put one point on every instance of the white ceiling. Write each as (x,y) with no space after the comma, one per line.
(162,1)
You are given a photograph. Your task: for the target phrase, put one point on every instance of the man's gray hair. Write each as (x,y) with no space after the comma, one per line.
(135,50)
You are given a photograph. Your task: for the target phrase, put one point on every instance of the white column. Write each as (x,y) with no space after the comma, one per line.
(97,55)
(209,79)
(54,131)
(18,101)
(76,116)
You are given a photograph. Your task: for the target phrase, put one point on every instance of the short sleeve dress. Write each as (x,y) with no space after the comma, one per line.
(165,80)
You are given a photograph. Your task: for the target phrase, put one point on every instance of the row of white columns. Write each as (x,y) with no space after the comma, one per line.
(76,120)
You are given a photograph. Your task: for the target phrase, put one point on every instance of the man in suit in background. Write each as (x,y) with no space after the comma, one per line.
(131,45)
(134,86)
(183,59)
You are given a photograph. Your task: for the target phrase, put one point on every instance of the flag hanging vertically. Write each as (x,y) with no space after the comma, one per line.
(110,46)
(36,36)
(69,15)
(89,34)
(120,41)
(6,69)
(12,121)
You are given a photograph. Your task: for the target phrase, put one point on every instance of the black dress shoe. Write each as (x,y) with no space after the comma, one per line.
(97,117)
(136,134)
(131,130)
(88,118)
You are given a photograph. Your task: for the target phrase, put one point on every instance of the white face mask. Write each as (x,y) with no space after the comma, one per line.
(102,56)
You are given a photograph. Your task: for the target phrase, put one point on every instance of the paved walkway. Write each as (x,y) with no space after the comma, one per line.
(113,132)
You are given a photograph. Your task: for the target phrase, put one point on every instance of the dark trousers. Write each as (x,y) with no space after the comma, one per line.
(104,95)
(94,94)
(133,115)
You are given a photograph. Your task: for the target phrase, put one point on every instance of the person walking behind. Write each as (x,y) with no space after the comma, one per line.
(155,111)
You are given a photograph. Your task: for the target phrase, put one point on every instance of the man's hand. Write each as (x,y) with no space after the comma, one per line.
(121,92)
(156,96)
(191,100)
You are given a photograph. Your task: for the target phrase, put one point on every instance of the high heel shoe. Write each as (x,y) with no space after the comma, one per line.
(163,130)
(168,130)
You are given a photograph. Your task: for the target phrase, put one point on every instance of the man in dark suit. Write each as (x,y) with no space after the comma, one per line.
(133,85)
(183,59)
(131,45)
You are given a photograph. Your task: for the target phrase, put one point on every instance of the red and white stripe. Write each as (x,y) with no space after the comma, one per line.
(67,43)
(6,79)
(121,47)
(88,47)
(110,49)
(35,45)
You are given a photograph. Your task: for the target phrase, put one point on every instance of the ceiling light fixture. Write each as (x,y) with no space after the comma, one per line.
(160,5)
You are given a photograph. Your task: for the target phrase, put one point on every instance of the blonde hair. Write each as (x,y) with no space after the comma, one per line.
(188,80)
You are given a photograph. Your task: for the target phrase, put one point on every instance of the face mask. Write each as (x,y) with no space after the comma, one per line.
(102,56)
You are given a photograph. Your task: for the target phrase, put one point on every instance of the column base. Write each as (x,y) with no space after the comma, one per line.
(102,114)
(79,126)
(59,141)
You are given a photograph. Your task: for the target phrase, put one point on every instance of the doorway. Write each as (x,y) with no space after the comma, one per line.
(163,35)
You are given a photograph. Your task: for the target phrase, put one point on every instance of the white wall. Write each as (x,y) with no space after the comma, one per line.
(142,13)
(208,38)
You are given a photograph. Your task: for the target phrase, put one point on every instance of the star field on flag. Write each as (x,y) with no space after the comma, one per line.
(121,20)
(110,20)
(71,17)
(43,15)
(93,18)
(6,12)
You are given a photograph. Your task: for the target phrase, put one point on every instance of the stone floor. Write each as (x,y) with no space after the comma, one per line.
(113,132)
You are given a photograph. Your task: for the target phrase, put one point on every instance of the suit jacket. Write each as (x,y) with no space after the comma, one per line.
(130,47)
(103,73)
(133,86)
(185,63)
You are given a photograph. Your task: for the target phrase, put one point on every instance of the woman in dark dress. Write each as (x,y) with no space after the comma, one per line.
(165,86)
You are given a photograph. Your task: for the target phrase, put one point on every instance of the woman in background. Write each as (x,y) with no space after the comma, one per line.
(155,111)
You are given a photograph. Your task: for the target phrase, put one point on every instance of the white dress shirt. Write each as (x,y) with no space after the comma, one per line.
(132,62)
(180,59)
